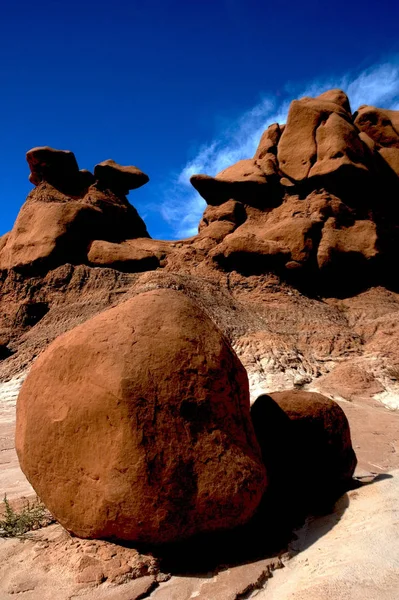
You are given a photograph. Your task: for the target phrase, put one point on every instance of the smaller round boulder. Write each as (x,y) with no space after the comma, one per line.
(306,446)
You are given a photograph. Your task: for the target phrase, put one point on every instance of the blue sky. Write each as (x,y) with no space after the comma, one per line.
(176,87)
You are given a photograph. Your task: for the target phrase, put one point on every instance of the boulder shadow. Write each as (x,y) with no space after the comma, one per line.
(317,526)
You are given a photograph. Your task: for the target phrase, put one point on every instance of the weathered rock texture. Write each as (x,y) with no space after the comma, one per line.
(69,209)
(315,205)
(136,425)
(314,210)
(322,186)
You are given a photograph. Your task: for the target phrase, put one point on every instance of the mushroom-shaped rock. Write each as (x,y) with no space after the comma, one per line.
(58,167)
(136,425)
(315,457)
(53,228)
(244,181)
(212,190)
(118,178)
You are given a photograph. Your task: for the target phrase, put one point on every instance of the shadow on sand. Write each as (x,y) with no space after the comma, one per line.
(318,525)
(267,535)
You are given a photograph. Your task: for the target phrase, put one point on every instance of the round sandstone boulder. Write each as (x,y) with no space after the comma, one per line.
(136,425)
(306,446)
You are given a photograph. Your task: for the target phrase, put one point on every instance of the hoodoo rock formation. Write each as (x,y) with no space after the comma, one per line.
(134,418)
(136,425)
(321,187)
(68,209)
(315,205)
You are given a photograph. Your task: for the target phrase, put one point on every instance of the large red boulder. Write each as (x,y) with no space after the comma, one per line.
(136,425)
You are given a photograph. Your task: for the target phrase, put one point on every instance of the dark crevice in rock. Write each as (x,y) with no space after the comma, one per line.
(30,313)
(5,352)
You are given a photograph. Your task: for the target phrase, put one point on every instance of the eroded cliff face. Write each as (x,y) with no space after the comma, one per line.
(294,259)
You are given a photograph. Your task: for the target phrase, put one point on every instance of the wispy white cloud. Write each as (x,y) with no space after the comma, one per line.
(183,207)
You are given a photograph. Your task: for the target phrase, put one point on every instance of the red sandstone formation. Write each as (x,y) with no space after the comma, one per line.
(314,205)
(288,249)
(68,209)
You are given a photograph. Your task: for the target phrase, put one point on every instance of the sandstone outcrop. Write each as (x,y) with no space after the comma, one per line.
(136,425)
(245,181)
(249,254)
(231,211)
(379,124)
(141,254)
(350,252)
(382,127)
(314,205)
(320,140)
(325,184)
(67,210)
(308,233)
